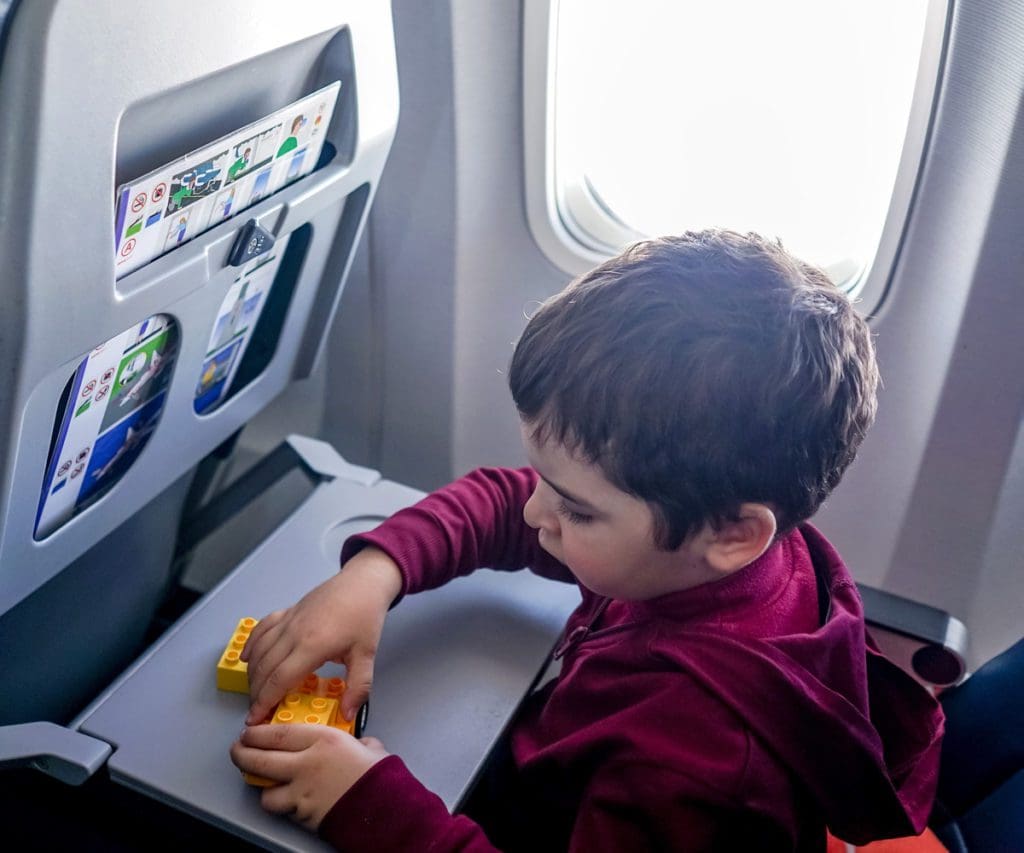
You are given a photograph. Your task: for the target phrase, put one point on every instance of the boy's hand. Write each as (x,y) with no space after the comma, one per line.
(314,765)
(340,620)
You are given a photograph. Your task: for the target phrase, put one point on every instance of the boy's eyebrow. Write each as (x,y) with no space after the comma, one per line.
(569,496)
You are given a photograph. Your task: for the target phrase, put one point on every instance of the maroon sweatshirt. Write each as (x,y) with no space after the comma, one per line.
(748,713)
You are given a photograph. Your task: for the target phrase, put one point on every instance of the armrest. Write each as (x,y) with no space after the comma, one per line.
(927,641)
(67,755)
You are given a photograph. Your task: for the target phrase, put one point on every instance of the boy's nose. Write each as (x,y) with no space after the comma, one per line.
(535,514)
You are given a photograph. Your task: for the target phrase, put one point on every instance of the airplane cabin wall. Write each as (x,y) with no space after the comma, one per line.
(931,509)
(415,385)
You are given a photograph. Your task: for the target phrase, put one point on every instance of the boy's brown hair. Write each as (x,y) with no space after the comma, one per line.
(700,372)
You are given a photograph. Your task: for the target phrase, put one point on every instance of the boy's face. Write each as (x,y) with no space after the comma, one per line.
(602,534)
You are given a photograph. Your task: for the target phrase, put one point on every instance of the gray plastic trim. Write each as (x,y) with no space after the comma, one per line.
(919,623)
(321,458)
(67,755)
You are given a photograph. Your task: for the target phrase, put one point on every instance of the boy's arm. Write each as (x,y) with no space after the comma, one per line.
(473,523)
(366,817)
(624,808)
(476,521)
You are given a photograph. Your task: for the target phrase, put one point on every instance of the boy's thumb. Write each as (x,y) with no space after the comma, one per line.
(357,685)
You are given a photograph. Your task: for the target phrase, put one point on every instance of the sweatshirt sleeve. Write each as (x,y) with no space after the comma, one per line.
(388,809)
(473,523)
(624,808)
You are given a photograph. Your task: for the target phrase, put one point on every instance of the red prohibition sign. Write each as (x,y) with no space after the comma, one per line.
(158,192)
(128,247)
(138,202)
(87,390)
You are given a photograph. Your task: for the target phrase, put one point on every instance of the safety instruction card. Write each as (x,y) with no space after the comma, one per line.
(115,399)
(233,328)
(173,204)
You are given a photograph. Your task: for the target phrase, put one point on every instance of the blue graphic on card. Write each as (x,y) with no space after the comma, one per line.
(214,377)
(117,449)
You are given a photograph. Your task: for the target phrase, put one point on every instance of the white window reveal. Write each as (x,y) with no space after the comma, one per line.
(797,119)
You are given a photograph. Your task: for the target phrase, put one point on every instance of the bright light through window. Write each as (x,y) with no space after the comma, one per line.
(787,118)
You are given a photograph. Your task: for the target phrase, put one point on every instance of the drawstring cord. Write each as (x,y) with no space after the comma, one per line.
(577,634)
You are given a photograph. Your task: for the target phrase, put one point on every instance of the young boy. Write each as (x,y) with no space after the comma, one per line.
(685,408)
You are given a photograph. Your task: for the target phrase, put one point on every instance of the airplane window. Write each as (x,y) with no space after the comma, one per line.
(784,118)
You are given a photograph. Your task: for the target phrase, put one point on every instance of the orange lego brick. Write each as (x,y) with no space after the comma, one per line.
(305,708)
(299,708)
(232,671)
(332,688)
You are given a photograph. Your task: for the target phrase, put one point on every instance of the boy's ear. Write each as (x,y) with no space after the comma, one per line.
(741,541)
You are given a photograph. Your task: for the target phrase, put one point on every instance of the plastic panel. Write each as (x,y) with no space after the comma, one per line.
(149,96)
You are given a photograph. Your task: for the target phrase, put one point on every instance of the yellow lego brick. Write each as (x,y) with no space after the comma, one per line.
(232,672)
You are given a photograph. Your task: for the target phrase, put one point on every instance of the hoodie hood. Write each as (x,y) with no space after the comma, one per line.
(862,735)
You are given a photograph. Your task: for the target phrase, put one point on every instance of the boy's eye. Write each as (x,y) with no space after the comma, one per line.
(572,516)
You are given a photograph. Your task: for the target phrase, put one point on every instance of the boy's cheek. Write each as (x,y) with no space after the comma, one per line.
(552,545)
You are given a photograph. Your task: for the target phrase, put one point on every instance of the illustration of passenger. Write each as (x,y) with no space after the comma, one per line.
(184,192)
(291,142)
(224,203)
(241,164)
(157,363)
(136,434)
(197,182)
(176,232)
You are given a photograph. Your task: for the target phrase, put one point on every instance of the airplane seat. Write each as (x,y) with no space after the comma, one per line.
(180,216)
(980,802)
(122,373)
(981,771)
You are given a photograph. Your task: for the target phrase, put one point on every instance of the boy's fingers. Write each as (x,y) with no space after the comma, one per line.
(261,629)
(290,738)
(264,634)
(277,766)
(269,680)
(359,680)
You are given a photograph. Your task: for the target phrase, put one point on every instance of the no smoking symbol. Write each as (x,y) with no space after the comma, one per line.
(158,191)
(138,202)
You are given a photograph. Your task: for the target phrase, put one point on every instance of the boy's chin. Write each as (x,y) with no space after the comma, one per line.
(596,588)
